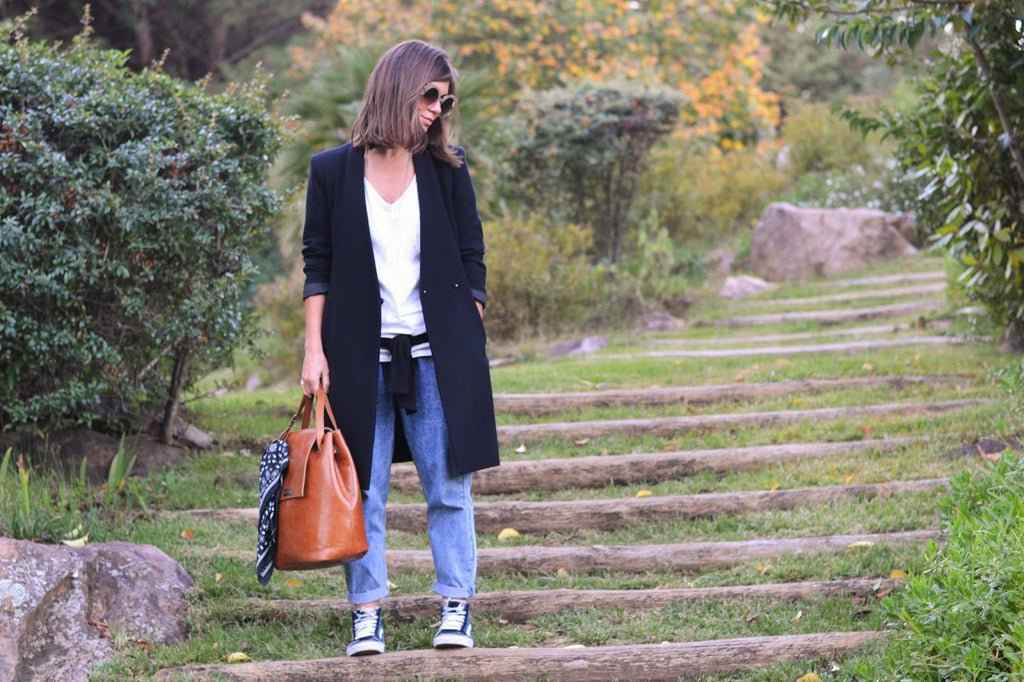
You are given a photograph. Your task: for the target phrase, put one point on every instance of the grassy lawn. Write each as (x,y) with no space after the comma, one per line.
(220,555)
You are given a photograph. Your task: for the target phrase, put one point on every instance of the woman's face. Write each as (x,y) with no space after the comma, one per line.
(429,109)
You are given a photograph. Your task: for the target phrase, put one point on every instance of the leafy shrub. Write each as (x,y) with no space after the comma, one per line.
(131,206)
(539,278)
(578,154)
(705,195)
(961,618)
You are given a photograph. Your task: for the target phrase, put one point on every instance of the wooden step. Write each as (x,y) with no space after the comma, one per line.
(584,664)
(844,347)
(545,517)
(901,292)
(692,557)
(598,471)
(519,607)
(536,404)
(669,426)
(826,317)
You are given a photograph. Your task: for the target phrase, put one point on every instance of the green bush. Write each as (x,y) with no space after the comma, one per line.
(131,206)
(960,619)
(705,195)
(578,154)
(539,277)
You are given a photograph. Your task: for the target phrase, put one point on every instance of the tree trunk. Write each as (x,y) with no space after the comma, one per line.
(179,378)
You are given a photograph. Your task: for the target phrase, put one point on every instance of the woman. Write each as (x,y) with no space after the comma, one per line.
(394,298)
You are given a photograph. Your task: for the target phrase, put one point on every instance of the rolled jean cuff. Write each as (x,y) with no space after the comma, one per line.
(453,592)
(367,597)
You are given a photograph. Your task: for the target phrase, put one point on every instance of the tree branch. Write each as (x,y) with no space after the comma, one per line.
(997,100)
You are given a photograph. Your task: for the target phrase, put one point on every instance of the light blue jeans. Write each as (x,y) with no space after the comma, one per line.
(449,503)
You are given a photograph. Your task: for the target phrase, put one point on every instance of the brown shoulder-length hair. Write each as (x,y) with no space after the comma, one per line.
(388,117)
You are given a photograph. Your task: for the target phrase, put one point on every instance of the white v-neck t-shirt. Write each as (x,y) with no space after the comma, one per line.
(395,233)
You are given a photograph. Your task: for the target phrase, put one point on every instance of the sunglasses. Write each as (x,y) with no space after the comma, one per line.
(432,94)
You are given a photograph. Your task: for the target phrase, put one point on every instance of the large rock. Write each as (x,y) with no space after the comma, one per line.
(59,605)
(790,243)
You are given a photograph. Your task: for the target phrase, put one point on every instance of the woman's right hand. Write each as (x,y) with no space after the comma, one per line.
(314,372)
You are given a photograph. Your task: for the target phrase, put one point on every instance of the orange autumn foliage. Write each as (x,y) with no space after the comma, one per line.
(709,50)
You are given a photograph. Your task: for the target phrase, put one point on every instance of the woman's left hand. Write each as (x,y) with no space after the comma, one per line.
(480,308)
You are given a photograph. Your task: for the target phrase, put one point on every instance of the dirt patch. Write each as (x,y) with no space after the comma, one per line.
(63,451)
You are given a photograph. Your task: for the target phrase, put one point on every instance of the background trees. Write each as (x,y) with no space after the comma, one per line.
(131,206)
(194,38)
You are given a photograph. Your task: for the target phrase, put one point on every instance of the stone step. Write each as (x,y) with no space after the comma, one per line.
(841,347)
(847,296)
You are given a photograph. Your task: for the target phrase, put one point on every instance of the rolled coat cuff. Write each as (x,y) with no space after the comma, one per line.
(480,295)
(313,289)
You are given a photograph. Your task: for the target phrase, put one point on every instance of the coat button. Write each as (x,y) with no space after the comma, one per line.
(456,285)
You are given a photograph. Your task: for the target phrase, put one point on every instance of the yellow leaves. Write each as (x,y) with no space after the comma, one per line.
(187,534)
(508,534)
(77,542)
(775,486)
(809,677)
(292,582)
(644,493)
(897,575)
(238,657)
(72,541)
(868,367)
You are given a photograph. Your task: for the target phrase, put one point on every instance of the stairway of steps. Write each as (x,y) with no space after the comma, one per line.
(589,463)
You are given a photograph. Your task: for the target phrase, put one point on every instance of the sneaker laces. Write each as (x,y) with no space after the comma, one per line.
(453,615)
(364,623)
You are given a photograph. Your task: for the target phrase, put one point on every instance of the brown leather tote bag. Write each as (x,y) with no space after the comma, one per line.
(320,519)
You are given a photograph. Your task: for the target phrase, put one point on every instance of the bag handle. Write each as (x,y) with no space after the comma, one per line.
(304,409)
(322,404)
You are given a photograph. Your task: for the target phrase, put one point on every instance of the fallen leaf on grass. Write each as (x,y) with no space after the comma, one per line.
(896,575)
(188,534)
(292,582)
(581,441)
(237,657)
(868,367)
(860,543)
(810,677)
(521,449)
(561,573)
(77,542)
(751,619)
(798,616)
(775,486)
(508,533)
(866,430)
(644,493)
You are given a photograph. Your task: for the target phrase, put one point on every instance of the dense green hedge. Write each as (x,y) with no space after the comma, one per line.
(130,207)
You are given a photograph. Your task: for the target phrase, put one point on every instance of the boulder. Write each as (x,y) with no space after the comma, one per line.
(743,285)
(790,243)
(59,606)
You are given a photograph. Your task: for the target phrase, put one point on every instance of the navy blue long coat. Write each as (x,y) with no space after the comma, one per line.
(338,253)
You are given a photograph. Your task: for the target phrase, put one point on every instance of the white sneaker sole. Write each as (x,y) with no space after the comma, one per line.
(364,648)
(453,641)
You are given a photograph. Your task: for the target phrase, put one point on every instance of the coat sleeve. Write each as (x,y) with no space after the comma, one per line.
(469,230)
(316,234)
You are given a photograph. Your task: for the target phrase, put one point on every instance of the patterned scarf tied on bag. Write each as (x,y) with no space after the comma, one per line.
(273,465)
